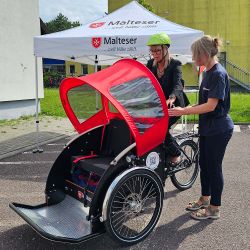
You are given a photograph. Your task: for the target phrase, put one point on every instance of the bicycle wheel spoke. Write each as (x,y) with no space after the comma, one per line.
(128,188)
(120,219)
(134,207)
(150,190)
(149,197)
(185,178)
(122,195)
(121,202)
(144,187)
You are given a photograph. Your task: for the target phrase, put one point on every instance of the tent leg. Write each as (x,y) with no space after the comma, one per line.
(96,92)
(37,149)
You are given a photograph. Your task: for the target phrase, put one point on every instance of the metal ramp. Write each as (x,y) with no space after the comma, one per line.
(65,221)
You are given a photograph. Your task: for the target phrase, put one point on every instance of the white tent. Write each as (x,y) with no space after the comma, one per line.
(123,33)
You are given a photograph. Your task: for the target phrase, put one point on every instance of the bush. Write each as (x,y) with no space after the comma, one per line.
(52,79)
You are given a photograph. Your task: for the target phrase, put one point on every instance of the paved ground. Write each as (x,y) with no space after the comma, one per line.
(23,177)
(22,136)
(47,124)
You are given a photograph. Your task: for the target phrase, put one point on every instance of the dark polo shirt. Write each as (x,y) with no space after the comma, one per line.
(215,84)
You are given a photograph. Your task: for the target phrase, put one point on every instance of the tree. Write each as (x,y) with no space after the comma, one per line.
(60,23)
(146,5)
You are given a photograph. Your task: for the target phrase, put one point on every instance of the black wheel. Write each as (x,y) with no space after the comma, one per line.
(184,179)
(134,206)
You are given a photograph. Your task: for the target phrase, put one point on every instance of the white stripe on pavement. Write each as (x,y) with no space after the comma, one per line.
(56,144)
(180,127)
(236,128)
(24,162)
(44,152)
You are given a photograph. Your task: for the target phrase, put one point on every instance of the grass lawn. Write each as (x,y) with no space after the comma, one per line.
(83,102)
(14,122)
(240,106)
(51,104)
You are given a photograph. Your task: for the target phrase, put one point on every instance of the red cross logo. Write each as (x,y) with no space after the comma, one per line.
(96,25)
(96,42)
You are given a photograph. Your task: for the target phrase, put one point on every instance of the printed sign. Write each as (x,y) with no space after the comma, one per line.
(152,160)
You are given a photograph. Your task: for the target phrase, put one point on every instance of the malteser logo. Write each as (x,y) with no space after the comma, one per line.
(96,42)
(133,22)
(96,25)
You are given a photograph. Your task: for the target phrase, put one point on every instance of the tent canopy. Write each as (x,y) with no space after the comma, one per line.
(123,33)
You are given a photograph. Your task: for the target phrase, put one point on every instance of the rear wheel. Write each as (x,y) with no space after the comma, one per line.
(134,206)
(184,179)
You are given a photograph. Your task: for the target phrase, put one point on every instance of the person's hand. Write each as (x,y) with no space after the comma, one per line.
(170,102)
(178,111)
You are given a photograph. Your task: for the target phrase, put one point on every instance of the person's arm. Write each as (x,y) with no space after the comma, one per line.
(216,93)
(209,106)
(177,76)
(177,84)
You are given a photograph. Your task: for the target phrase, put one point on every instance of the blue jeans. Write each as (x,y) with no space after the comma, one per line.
(212,150)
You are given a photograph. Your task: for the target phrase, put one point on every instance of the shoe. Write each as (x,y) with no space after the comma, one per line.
(194,206)
(176,162)
(206,213)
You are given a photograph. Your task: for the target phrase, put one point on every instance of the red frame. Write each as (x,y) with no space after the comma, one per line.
(122,71)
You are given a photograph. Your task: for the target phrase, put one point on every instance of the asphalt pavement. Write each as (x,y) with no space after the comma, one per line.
(23,178)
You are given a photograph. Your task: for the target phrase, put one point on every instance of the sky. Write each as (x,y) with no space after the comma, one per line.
(84,11)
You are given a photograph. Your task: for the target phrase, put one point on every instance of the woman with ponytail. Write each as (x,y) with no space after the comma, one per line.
(215,126)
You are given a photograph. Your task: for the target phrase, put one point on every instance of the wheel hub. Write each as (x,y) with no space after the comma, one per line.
(134,203)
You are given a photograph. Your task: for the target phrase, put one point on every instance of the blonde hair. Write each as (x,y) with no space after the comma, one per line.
(206,45)
(167,55)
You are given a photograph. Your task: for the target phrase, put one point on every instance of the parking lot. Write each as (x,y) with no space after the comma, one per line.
(23,178)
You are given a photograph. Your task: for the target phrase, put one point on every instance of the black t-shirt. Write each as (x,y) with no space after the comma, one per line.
(215,85)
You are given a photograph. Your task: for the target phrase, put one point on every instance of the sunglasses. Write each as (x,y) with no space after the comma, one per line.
(155,51)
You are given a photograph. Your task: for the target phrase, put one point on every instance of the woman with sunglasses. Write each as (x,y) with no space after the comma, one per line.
(168,72)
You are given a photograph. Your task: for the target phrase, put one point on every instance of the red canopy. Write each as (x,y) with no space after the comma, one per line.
(134,92)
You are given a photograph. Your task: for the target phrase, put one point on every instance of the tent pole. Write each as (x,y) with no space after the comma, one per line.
(37,149)
(96,93)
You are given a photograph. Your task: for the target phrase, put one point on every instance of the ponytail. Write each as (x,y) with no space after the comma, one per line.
(206,45)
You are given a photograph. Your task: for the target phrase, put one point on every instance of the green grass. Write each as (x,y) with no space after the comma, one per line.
(51,104)
(14,122)
(240,110)
(240,106)
(85,101)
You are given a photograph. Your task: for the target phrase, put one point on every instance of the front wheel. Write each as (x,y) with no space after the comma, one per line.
(134,206)
(184,179)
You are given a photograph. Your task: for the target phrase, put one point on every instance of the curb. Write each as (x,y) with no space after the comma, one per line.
(235,123)
(242,123)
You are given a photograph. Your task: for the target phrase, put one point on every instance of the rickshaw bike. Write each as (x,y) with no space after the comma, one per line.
(111,177)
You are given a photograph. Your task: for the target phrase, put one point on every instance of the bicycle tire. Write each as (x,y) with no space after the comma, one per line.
(193,168)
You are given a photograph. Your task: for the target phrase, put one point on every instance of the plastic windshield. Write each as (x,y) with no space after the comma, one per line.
(141,101)
(82,100)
